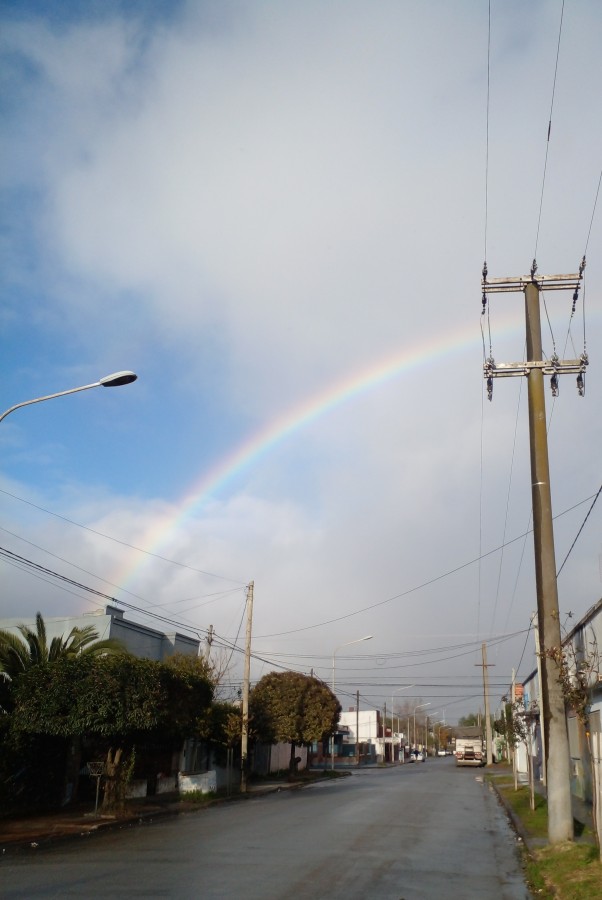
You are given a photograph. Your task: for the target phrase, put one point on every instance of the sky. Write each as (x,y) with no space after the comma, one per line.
(276,215)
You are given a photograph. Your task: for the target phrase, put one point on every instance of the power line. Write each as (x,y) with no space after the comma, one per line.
(579,532)
(108,537)
(548,138)
(418,587)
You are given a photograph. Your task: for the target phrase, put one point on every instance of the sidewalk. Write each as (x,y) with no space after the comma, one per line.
(31,832)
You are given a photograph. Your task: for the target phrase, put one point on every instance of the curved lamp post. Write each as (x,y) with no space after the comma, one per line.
(368,637)
(420,706)
(396,691)
(114,380)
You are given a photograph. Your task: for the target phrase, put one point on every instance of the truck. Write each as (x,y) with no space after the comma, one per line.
(470,749)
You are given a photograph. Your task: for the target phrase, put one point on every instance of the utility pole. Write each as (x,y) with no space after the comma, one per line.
(357,727)
(539,699)
(512,713)
(244,742)
(209,643)
(560,820)
(488,735)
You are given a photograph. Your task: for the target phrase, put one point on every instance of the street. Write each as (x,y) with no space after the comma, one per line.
(423,830)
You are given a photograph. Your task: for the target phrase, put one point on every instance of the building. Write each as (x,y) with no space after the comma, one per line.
(582,649)
(139,639)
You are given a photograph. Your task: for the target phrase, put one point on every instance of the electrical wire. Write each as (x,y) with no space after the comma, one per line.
(109,537)
(549,132)
(579,532)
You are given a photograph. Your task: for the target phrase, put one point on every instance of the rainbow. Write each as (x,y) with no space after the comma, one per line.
(269,436)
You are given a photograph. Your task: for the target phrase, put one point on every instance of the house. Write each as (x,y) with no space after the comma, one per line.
(582,649)
(110,622)
(157,763)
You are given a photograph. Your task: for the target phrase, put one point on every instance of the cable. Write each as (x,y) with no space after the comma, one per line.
(499,576)
(487,132)
(108,537)
(548,138)
(593,213)
(418,587)
(579,532)
(23,561)
(525,646)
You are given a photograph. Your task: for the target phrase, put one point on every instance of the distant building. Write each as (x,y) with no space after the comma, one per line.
(140,640)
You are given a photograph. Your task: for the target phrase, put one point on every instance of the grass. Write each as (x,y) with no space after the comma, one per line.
(569,871)
(535,821)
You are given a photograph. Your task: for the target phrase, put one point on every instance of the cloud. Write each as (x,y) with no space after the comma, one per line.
(251,203)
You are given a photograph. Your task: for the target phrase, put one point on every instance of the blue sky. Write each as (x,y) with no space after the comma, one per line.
(247,204)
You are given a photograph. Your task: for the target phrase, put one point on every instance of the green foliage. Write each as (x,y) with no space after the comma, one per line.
(189,687)
(469,720)
(291,707)
(513,725)
(115,697)
(222,724)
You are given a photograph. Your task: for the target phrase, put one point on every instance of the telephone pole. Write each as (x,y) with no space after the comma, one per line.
(209,643)
(560,819)
(484,665)
(244,741)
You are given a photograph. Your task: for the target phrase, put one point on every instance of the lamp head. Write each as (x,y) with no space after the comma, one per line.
(117,379)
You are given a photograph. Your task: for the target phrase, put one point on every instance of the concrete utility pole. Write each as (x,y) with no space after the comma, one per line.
(209,643)
(539,698)
(488,734)
(357,727)
(244,741)
(560,820)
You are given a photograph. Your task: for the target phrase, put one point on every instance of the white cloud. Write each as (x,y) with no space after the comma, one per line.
(251,202)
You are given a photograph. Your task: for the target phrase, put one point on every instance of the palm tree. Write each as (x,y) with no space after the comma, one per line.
(18,654)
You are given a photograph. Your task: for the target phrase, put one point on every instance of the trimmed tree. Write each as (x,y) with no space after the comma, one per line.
(120,699)
(289,707)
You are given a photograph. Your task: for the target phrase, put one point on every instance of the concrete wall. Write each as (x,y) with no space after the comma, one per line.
(205,783)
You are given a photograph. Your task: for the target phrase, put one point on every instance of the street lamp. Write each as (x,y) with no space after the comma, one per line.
(406,688)
(368,637)
(420,706)
(114,380)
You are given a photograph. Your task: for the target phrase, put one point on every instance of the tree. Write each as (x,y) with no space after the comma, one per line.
(116,697)
(292,708)
(18,654)
(470,720)
(515,725)
(115,700)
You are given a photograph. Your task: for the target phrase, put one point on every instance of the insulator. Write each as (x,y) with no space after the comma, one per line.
(490,388)
(554,384)
(485,271)
(581,384)
(533,268)
(484,302)
(575,298)
(582,266)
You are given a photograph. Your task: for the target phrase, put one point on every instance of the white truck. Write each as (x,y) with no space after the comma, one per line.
(470,751)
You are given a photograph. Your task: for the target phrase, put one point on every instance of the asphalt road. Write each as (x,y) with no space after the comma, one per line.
(424,830)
